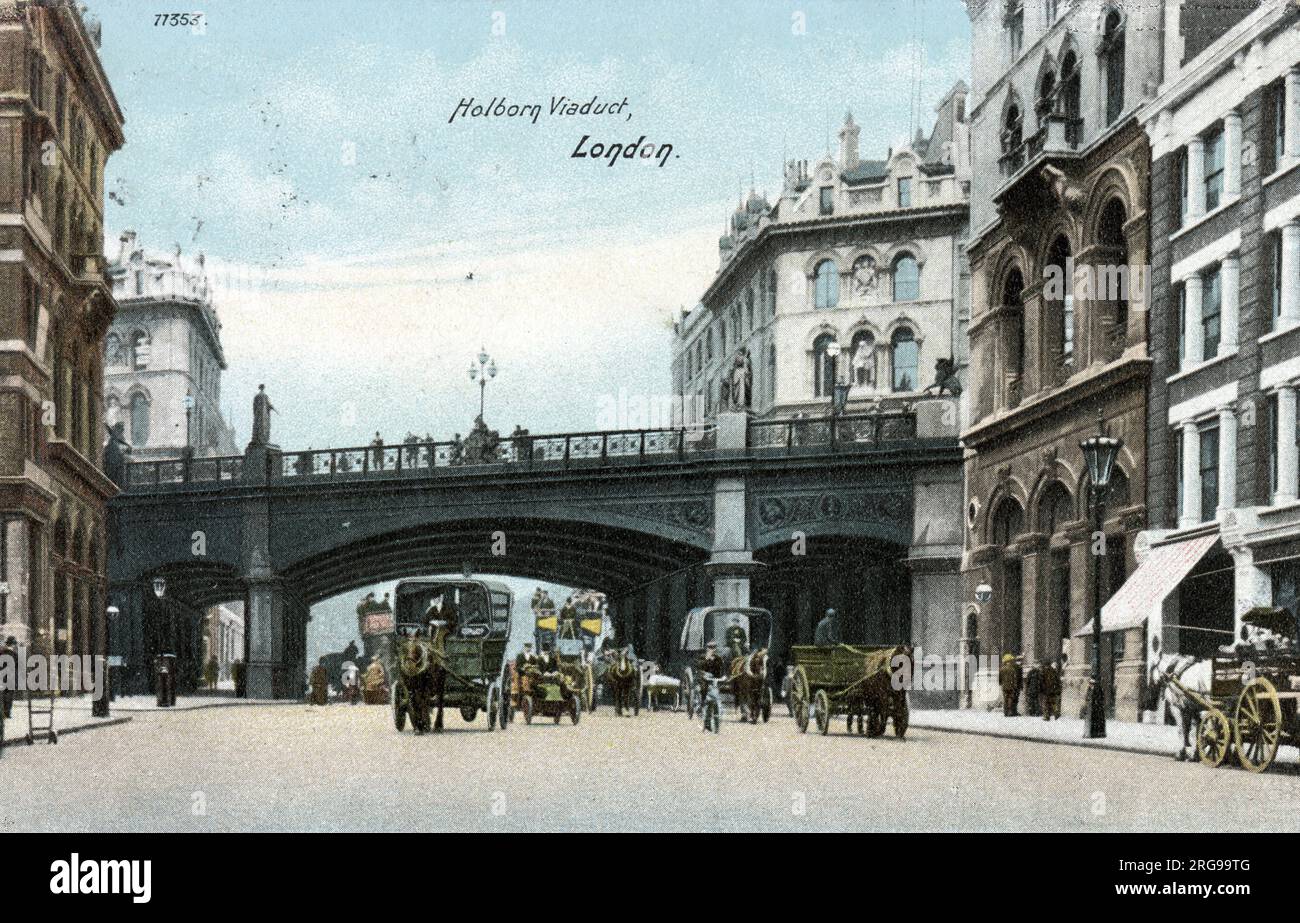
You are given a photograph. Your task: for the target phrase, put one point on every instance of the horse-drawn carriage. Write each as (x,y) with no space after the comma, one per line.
(548,695)
(576,664)
(735,630)
(451,645)
(848,680)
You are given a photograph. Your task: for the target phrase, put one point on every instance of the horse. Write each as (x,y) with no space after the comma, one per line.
(1191,673)
(623,675)
(748,680)
(425,678)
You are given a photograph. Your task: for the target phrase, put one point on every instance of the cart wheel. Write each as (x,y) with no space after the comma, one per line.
(574,709)
(493,706)
(688,690)
(589,690)
(822,702)
(1213,738)
(399,707)
(1258,727)
(527,705)
(767,704)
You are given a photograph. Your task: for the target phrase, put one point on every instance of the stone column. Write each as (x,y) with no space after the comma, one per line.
(1287,451)
(1230,314)
(1190,515)
(268,671)
(1227,460)
(1193,334)
(1290,275)
(1195,178)
(1231,155)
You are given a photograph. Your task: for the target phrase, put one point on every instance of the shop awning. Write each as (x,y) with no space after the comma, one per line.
(1156,577)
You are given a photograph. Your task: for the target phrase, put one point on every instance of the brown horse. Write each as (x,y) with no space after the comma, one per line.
(623,677)
(425,677)
(748,683)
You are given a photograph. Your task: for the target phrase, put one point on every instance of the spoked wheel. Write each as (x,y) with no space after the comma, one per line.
(505,686)
(822,703)
(688,690)
(1258,727)
(493,706)
(528,710)
(589,690)
(399,707)
(799,703)
(1213,738)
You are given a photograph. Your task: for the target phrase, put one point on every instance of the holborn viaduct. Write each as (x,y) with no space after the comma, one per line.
(861,513)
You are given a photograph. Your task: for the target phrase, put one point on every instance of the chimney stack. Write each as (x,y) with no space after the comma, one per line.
(849,143)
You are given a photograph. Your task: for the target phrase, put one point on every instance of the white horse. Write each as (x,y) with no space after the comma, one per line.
(1191,673)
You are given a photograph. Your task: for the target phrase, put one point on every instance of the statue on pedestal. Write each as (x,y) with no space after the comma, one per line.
(740,392)
(261,418)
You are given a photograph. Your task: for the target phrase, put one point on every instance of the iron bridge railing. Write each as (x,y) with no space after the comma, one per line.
(842,434)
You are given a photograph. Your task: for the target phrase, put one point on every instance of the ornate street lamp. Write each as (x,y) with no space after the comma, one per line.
(839,390)
(99,708)
(160,587)
(1100,452)
(486,368)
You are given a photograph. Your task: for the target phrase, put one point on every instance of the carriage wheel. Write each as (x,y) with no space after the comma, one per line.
(527,705)
(1258,727)
(800,698)
(575,709)
(589,690)
(1213,738)
(766,711)
(822,703)
(399,707)
(493,706)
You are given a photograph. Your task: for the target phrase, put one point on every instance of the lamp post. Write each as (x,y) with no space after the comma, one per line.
(189,412)
(99,708)
(486,368)
(1099,452)
(839,391)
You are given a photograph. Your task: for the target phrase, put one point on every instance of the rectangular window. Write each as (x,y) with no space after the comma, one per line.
(827,200)
(905,193)
(1277,276)
(1182,188)
(1209,472)
(1182,324)
(1279,124)
(1211,316)
(1273,420)
(1213,170)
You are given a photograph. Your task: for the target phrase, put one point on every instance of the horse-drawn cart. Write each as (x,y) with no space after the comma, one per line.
(451,645)
(848,680)
(742,636)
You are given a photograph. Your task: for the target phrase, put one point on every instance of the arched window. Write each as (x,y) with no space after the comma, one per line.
(1070,99)
(862,359)
(1008,522)
(1046,95)
(906,359)
(1110,235)
(1012,291)
(139,351)
(1112,51)
(1055,509)
(1012,129)
(823,366)
(1117,493)
(139,419)
(1058,292)
(907,278)
(827,289)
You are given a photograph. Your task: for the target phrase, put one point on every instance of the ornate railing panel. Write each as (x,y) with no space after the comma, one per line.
(846,433)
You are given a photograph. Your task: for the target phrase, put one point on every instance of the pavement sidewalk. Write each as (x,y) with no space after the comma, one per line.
(72,715)
(1154,739)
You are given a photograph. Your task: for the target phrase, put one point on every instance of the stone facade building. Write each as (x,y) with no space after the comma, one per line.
(164,352)
(1059,215)
(1222,482)
(60,122)
(864,254)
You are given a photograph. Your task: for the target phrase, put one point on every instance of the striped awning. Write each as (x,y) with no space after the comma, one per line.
(1145,591)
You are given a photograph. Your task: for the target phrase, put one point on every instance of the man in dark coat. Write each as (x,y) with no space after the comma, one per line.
(1009,680)
(1052,691)
(319,684)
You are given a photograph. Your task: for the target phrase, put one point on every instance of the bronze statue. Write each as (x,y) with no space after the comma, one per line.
(946,378)
(261,417)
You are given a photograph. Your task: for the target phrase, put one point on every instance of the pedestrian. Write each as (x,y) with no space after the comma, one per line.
(1009,680)
(237,674)
(1034,691)
(375,684)
(320,684)
(1052,690)
(827,633)
(378,444)
(210,672)
(10,649)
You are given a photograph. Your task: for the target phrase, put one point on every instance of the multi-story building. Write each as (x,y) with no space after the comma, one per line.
(223,637)
(1222,479)
(854,276)
(60,122)
(860,254)
(1059,203)
(163,360)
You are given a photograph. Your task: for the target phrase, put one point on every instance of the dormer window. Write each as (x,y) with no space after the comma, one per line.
(905,192)
(827,202)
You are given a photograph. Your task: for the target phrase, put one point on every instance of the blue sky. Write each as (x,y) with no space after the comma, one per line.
(305,148)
